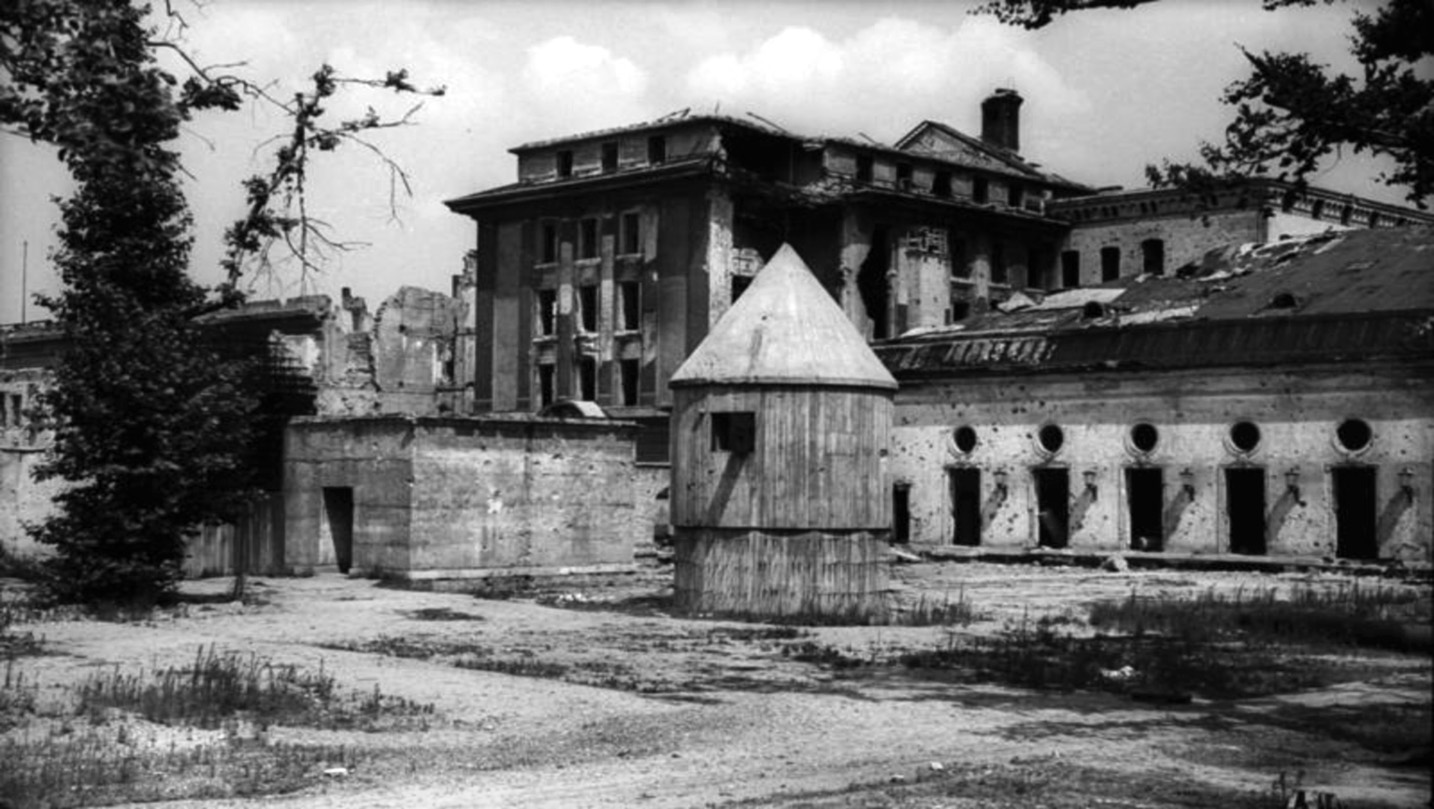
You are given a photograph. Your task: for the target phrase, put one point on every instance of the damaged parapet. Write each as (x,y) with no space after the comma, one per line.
(780,426)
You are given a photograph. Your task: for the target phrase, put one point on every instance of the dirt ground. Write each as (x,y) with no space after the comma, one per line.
(598,697)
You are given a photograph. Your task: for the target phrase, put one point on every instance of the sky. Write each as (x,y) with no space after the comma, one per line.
(1106,92)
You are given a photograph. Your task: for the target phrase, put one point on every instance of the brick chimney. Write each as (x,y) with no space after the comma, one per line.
(1001,119)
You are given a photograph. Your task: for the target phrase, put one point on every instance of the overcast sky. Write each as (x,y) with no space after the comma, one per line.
(1106,93)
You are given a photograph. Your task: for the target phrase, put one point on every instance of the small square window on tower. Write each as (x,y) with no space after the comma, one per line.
(734,432)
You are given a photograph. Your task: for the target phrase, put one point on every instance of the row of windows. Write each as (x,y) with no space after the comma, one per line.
(941,183)
(1244,437)
(585,371)
(1152,254)
(656,155)
(628,316)
(629,237)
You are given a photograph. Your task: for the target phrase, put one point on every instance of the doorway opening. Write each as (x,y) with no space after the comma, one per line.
(966,506)
(338,523)
(1245,509)
(1145,497)
(901,513)
(1053,507)
(1355,513)
(872,284)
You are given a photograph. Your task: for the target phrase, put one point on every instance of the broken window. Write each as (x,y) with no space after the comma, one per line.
(546,375)
(609,156)
(1354,434)
(966,505)
(964,438)
(1109,263)
(941,185)
(998,264)
(1053,492)
(1016,195)
(1153,251)
(547,312)
(656,149)
(1245,508)
(549,248)
(588,238)
(588,306)
(960,310)
(630,300)
(587,378)
(903,176)
(1051,438)
(960,265)
(1070,269)
(1317,209)
(734,432)
(1244,436)
(629,370)
(980,190)
(1356,512)
(1145,500)
(1144,437)
(863,168)
(1346,214)
(565,163)
(631,227)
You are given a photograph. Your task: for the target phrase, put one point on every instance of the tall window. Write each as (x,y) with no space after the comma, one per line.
(549,248)
(588,303)
(1153,251)
(980,190)
(941,185)
(630,306)
(863,168)
(998,264)
(588,238)
(609,157)
(587,378)
(1016,195)
(1109,263)
(903,176)
(547,312)
(631,232)
(656,149)
(565,163)
(1070,269)
(545,384)
(629,370)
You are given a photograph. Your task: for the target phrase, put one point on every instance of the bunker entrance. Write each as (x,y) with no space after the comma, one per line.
(1053,491)
(901,513)
(1355,513)
(1145,497)
(338,523)
(966,506)
(1245,509)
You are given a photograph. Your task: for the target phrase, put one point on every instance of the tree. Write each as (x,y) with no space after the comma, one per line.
(152,422)
(1292,114)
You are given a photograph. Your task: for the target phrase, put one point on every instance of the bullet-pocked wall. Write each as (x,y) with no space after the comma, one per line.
(1317,462)
(460,498)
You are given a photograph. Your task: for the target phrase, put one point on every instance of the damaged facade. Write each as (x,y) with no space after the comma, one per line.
(606,263)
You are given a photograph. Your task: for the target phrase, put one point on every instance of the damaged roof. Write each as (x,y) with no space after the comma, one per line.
(1344,296)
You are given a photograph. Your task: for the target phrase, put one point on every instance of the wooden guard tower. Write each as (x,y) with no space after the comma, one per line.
(780,426)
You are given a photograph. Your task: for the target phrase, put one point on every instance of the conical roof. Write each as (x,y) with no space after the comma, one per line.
(784,330)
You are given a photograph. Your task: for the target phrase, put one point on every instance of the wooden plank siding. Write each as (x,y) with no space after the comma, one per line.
(260,533)
(818,460)
(781,573)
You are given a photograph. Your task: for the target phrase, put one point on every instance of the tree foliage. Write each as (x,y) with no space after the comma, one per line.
(153,424)
(1292,114)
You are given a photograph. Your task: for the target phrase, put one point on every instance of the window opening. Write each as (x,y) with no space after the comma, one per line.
(965,438)
(1145,497)
(338,523)
(1051,438)
(587,378)
(1144,437)
(609,157)
(980,190)
(734,432)
(1092,310)
(629,370)
(1317,209)
(656,149)
(1354,434)
(960,310)
(966,506)
(1053,492)
(588,304)
(1154,254)
(631,299)
(903,176)
(631,226)
(588,239)
(547,312)
(1070,269)
(960,266)
(550,242)
(941,184)
(739,285)
(546,374)
(1244,436)
(1245,509)
(863,168)
(901,513)
(1015,194)
(998,264)
(1109,263)
(565,163)
(1355,512)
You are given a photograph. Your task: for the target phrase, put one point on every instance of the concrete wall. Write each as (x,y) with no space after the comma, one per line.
(22,446)
(1297,413)
(463,497)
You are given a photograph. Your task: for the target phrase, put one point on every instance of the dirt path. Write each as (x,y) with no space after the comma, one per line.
(608,708)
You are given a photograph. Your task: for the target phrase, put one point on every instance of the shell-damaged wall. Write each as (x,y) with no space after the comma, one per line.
(1297,456)
(435,498)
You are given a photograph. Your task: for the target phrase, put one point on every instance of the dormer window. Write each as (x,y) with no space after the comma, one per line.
(565,163)
(980,190)
(656,150)
(903,176)
(609,157)
(941,185)
(1015,195)
(863,168)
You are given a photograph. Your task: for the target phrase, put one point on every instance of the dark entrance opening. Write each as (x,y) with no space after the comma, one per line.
(1053,506)
(901,513)
(871,283)
(339,523)
(966,506)
(1245,509)
(1355,513)
(1145,496)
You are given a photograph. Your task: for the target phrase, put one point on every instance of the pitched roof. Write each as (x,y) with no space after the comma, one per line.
(945,142)
(784,330)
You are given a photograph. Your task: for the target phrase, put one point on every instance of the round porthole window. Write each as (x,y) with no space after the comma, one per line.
(1144,437)
(1244,436)
(1354,435)
(1051,438)
(964,439)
